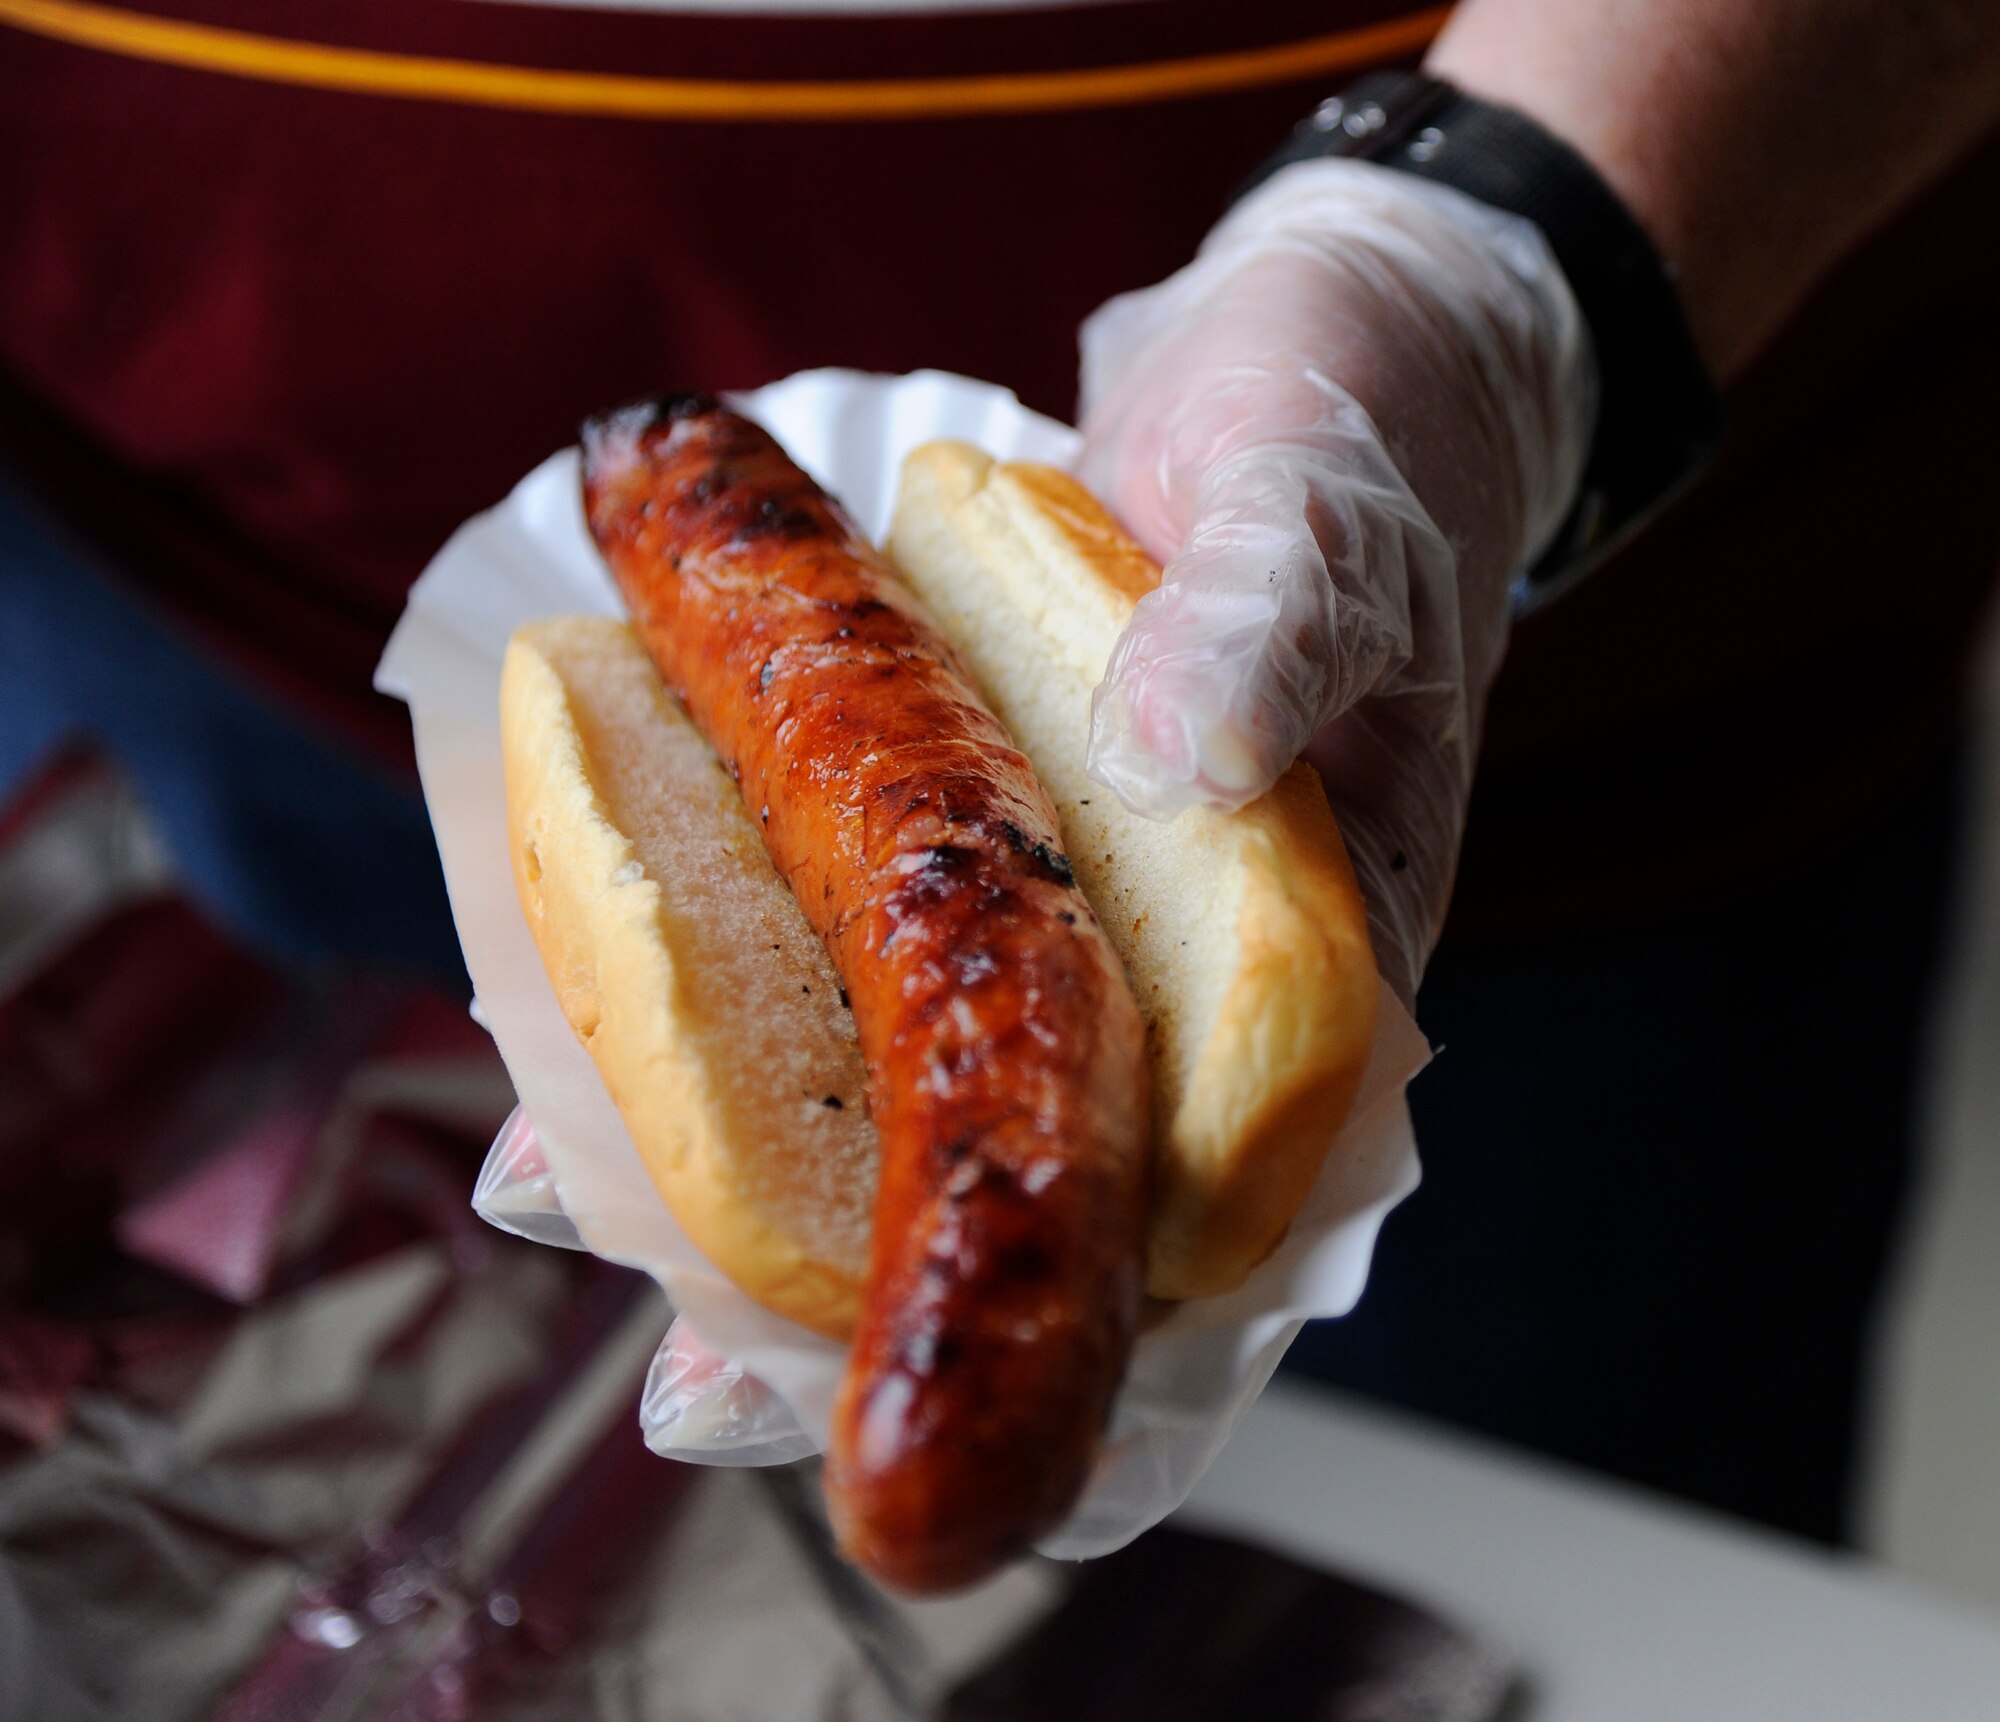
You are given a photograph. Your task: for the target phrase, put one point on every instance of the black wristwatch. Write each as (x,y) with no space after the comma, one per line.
(1660,414)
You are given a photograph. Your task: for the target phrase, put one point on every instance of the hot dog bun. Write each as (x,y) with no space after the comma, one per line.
(682,962)
(1244,934)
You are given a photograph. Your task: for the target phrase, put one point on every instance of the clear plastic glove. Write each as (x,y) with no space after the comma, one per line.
(701,1407)
(1343,429)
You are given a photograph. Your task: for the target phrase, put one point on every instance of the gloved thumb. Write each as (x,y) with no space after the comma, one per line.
(1287,604)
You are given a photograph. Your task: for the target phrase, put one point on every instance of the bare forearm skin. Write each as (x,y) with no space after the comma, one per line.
(1755,140)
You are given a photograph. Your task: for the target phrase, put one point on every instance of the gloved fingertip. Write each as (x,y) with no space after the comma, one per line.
(703,1407)
(1231,771)
(516,1192)
(1143,754)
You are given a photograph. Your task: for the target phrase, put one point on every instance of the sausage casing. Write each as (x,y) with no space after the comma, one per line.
(1004,1051)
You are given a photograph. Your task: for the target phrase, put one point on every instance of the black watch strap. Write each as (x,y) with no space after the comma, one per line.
(1660,414)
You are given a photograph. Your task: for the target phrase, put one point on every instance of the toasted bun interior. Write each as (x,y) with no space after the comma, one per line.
(1244,934)
(684,965)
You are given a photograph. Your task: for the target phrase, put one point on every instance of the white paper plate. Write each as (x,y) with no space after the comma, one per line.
(531,557)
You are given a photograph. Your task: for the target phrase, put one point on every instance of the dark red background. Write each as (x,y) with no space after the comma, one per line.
(268,346)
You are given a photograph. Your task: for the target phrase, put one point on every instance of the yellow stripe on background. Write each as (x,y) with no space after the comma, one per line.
(479,83)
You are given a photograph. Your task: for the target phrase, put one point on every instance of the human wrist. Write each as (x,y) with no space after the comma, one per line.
(1555,80)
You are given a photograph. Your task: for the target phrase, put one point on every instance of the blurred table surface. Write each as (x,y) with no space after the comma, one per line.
(1618,1604)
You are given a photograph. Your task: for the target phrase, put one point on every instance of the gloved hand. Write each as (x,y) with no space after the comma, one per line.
(1343,429)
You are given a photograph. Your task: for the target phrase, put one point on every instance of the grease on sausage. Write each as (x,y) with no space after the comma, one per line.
(1003,1047)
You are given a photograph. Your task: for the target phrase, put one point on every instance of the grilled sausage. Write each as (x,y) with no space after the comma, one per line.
(1004,1050)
